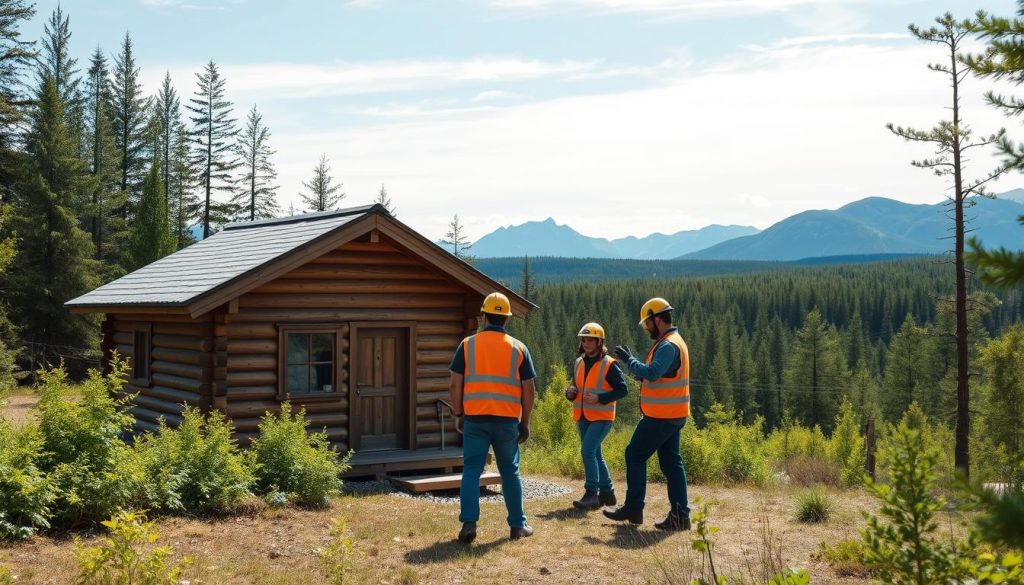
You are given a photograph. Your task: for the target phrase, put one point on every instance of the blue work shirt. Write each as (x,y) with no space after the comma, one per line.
(526,372)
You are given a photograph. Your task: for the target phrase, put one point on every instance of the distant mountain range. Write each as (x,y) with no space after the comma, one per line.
(547,238)
(871,226)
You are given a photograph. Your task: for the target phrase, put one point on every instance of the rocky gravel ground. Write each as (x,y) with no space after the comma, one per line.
(532,490)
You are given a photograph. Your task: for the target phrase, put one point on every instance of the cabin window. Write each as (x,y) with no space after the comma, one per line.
(142,355)
(308,361)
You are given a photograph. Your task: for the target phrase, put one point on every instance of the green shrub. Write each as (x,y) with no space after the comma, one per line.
(725,451)
(196,467)
(337,559)
(902,544)
(846,557)
(83,453)
(813,506)
(289,460)
(5,576)
(935,438)
(122,557)
(846,446)
(792,440)
(554,445)
(26,494)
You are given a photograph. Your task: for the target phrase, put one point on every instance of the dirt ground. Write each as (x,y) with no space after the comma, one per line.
(403,540)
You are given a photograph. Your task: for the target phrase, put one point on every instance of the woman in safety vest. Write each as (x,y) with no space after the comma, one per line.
(597,382)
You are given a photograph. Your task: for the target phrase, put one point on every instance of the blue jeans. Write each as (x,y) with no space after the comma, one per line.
(477,437)
(652,436)
(595,470)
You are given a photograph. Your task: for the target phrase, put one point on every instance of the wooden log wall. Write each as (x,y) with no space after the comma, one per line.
(180,362)
(360,281)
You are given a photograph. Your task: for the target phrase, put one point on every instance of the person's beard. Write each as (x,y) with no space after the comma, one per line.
(653,333)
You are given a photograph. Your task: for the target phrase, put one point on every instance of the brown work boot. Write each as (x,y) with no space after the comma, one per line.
(622,513)
(607,498)
(515,533)
(589,501)
(676,520)
(468,532)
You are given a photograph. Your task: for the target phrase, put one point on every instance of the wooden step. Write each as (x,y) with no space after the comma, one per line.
(427,483)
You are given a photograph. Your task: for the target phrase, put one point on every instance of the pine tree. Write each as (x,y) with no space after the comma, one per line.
(256,197)
(383,199)
(56,60)
(905,373)
(151,237)
(106,227)
(951,139)
(183,205)
(54,262)
(213,139)
(456,238)
(15,54)
(168,119)
(816,376)
(323,196)
(527,280)
(130,121)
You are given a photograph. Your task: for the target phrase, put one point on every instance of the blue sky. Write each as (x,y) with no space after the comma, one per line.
(617,117)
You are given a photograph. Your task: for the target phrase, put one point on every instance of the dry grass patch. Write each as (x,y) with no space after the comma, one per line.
(406,540)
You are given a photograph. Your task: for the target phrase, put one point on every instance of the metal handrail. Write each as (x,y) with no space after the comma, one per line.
(440,416)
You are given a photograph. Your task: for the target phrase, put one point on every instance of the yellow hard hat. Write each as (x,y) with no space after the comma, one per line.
(653,307)
(591,330)
(497,304)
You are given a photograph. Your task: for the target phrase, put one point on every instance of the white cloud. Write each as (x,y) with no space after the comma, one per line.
(682,8)
(749,141)
(303,80)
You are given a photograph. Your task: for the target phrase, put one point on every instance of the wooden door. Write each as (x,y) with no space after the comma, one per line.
(380,409)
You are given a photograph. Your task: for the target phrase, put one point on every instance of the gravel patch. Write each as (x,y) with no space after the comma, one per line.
(533,489)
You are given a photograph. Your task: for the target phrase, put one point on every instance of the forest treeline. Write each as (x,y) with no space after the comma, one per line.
(796,341)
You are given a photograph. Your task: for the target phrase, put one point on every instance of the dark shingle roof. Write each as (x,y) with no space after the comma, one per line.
(239,249)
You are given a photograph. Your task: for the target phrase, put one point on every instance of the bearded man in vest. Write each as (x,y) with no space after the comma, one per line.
(665,404)
(492,389)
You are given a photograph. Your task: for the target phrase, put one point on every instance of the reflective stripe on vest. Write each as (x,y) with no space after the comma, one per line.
(599,384)
(668,397)
(491,384)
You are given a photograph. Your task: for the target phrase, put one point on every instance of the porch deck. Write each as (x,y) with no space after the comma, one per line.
(383,463)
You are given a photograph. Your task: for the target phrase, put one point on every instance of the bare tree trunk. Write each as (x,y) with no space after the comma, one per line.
(961,454)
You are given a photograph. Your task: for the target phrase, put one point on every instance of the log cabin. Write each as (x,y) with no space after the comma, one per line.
(349,314)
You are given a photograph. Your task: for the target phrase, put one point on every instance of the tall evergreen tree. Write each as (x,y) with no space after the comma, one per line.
(54,263)
(906,369)
(151,237)
(816,377)
(527,279)
(456,238)
(168,119)
(323,194)
(106,227)
(213,140)
(56,60)
(256,195)
(130,119)
(183,204)
(15,55)
(952,139)
(385,200)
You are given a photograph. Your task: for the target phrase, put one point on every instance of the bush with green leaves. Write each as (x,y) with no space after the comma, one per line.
(846,446)
(26,494)
(903,544)
(126,556)
(196,467)
(792,440)
(288,459)
(725,451)
(554,445)
(813,506)
(936,438)
(83,452)
(846,557)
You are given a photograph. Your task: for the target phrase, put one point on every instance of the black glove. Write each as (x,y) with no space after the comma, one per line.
(524,432)
(623,354)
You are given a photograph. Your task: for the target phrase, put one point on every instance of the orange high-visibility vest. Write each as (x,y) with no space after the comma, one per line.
(596,382)
(668,397)
(491,384)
